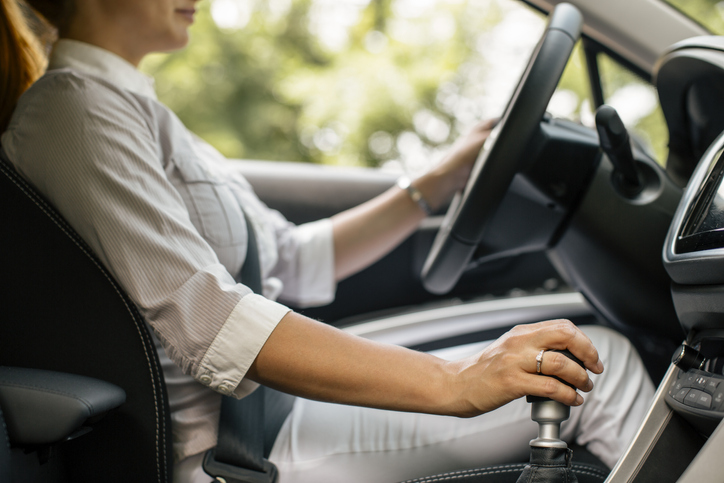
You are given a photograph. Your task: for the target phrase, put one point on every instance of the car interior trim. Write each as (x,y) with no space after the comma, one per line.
(649,433)
(648,27)
(431,324)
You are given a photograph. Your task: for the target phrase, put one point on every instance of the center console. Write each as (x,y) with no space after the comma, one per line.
(682,437)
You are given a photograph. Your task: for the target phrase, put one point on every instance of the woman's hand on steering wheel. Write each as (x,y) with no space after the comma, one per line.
(440,184)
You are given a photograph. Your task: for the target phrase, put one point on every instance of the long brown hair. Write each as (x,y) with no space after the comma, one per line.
(23,36)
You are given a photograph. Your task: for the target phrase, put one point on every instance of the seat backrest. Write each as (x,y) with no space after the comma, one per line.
(61,310)
(4,451)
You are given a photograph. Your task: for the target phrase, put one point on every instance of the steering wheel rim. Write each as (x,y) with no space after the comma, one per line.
(501,158)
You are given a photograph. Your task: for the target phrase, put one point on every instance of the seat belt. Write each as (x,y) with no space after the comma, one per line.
(243,443)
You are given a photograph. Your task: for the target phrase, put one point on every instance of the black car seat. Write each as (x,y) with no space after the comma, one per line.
(62,311)
(4,451)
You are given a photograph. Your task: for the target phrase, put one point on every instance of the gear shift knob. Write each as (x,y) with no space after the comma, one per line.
(549,415)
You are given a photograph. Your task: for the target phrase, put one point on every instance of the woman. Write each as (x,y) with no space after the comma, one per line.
(167,216)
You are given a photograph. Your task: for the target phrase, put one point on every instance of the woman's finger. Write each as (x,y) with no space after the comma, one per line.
(558,365)
(562,334)
(551,388)
(507,369)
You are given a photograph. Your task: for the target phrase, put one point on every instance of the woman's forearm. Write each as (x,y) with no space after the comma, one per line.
(364,234)
(317,361)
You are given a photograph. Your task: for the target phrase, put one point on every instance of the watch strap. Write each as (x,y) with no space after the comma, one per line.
(405,183)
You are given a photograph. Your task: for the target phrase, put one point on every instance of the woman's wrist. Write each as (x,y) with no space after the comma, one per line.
(405,184)
(452,395)
(436,188)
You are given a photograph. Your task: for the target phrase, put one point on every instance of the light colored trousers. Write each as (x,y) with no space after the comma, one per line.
(330,443)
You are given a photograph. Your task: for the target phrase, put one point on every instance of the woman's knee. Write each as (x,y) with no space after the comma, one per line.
(620,358)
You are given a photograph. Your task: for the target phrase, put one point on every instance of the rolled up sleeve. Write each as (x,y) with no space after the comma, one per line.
(243,335)
(306,264)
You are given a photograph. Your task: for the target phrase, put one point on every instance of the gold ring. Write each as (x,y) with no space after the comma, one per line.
(539,360)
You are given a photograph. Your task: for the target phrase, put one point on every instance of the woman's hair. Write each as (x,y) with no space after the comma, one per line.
(23,37)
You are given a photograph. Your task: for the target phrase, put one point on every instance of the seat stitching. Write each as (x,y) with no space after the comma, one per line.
(600,474)
(458,475)
(585,467)
(591,473)
(500,469)
(516,466)
(62,225)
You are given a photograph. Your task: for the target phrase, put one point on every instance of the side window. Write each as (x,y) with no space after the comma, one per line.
(572,99)
(709,13)
(633,98)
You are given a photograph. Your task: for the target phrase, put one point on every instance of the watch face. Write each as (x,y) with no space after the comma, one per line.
(404,182)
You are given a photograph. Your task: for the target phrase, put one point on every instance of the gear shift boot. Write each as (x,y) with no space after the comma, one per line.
(548,465)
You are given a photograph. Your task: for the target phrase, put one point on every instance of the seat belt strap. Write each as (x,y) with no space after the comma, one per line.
(241,423)
(240,449)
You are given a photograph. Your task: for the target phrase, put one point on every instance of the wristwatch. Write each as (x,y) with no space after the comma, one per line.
(405,183)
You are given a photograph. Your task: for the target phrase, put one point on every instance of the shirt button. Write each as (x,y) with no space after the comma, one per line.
(205,379)
(225,389)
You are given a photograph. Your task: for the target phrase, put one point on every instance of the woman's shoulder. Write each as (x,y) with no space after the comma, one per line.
(69,88)
(66,98)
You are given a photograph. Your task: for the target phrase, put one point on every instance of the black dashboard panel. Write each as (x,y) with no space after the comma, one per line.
(690,82)
(699,397)
(694,247)
(703,224)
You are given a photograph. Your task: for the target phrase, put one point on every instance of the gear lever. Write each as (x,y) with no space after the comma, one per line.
(550,458)
(549,415)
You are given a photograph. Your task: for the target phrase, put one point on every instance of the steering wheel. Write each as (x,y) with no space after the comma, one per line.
(501,158)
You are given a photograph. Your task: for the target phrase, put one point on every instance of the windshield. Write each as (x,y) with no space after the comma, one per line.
(349,82)
(384,83)
(708,13)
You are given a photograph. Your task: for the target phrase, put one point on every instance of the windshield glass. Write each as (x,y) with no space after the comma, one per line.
(708,13)
(387,83)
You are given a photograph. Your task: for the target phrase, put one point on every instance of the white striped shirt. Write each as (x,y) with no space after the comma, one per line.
(163,211)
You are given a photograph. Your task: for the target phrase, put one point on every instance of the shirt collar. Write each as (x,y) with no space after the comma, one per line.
(99,62)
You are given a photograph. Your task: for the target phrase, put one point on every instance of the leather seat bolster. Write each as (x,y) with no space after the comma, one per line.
(43,407)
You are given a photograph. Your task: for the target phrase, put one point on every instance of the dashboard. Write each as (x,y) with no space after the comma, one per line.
(694,258)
